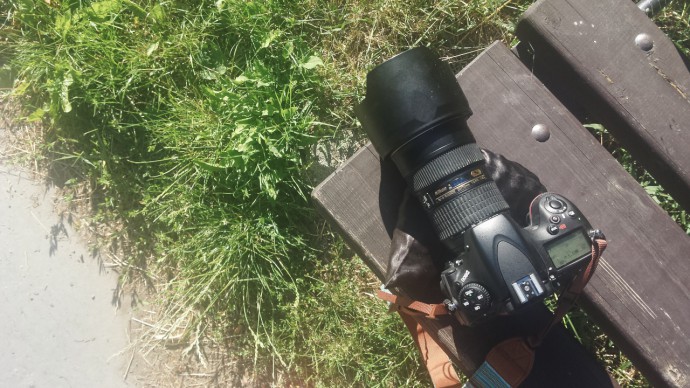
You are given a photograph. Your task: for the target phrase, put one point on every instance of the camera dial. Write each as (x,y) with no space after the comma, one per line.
(475,298)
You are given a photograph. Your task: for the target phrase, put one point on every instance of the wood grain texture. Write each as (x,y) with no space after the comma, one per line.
(586,52)
(640,292)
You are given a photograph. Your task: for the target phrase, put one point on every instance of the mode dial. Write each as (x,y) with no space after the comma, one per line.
(475,298)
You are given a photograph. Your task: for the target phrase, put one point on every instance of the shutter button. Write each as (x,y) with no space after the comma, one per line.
(556,204)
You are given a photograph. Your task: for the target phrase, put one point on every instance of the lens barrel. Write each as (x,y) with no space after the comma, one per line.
(458,174)
(416,114)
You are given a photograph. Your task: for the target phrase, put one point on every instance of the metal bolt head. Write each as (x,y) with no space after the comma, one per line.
(541,133)
(644,42)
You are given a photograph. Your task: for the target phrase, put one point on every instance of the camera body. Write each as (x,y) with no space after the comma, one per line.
(504,267)
(415,115)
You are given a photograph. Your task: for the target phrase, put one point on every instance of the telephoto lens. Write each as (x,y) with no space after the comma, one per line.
(415,114)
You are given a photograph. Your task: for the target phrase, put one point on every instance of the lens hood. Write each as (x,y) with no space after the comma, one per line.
(408,95)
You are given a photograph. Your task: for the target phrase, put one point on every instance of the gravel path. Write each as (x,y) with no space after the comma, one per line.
(59,326)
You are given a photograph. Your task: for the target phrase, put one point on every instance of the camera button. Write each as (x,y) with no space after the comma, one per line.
(555,205)
(571,213)
(475,297)
(552,229)
(555,219)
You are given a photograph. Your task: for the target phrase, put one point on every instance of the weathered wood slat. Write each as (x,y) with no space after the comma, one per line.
(640,293)
(360,206)
(596,53)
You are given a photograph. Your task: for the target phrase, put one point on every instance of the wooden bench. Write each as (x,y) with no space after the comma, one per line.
(640,293)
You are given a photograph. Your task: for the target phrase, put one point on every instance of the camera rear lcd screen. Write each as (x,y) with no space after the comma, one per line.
(569,248)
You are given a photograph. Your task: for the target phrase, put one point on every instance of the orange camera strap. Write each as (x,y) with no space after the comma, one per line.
(509,363)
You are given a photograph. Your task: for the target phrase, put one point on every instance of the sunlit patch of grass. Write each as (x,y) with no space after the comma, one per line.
(674,20)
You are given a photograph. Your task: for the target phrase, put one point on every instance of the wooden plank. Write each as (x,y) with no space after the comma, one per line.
(355,186)
(586,52)
(361,202)
(640,293)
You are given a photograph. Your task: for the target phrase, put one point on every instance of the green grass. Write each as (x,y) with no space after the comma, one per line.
(674,20)
(195,125)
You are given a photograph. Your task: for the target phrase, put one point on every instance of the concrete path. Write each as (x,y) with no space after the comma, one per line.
(58,327)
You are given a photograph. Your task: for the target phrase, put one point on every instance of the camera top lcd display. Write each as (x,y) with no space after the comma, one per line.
(569,248)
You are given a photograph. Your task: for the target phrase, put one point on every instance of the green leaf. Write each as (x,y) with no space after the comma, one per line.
(240,79)
(288,49)
(275,151)
(20,88)
(64,93)
(212,74)
(268,186)
(220,69)
(652,190)
(136,9)
(312,62)
(157,13)
(36,115)
(151,49)
(210,167)
(208,75)
(103,9)
(63,23)
(270,38)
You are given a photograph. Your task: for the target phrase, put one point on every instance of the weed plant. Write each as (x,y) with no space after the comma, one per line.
(196,124)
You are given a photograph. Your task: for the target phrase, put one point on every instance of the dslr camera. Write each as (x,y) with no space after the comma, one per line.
(415,114)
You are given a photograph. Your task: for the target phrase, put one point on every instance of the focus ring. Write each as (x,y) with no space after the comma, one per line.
(469,208)
(446,165)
